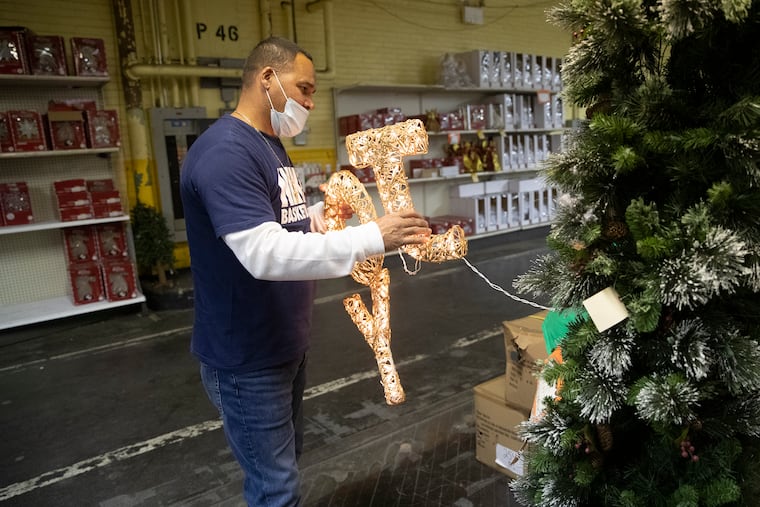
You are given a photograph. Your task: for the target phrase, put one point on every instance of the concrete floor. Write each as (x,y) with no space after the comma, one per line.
(107,409)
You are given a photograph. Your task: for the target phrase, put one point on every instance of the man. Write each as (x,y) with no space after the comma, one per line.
(255,250)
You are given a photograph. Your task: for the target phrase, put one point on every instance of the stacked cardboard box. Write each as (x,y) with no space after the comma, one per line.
(503,403)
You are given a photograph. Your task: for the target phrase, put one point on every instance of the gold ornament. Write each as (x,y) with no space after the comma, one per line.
(383,149)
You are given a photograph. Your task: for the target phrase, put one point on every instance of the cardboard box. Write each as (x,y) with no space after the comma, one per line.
(498,443)
(524,345)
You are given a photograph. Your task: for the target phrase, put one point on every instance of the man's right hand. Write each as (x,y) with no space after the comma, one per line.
(403,228)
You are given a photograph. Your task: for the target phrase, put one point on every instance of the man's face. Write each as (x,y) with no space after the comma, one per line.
(299,83)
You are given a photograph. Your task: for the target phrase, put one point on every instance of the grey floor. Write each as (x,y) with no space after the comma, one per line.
(107,409)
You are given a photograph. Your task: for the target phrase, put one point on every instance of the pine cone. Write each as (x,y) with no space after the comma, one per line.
(615,230)
(597,460)
(604,434)
(603,105)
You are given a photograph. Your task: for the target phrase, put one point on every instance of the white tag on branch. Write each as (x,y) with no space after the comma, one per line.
(605,309)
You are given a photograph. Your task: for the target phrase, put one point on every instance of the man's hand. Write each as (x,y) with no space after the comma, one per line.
(403,228)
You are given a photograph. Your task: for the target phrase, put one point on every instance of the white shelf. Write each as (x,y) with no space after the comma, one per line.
(406,88)
(57,224)
(52,81)
(23,314)
(485,175)
(56,153)
(34,276)
(488,131)
(492,131)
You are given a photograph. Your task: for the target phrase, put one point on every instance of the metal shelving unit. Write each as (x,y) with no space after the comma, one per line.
(34,281)
(434,196)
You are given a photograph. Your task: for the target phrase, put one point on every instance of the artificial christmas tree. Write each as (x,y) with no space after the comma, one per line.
(661,200)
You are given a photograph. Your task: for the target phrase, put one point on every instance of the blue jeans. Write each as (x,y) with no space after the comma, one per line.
(263,422)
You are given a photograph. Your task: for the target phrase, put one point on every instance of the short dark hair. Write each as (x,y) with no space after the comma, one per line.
(276,52)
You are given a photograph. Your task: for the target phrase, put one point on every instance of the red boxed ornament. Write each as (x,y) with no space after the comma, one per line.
(107,210)
(6,143)
(106,203)
(86,283)
(73,213)
(89,56)
(66,130)
(476,116)
(46,55)
(112,241)
(364,174)
(81,244)
(443,223)
(119,280)
(15,204)
(102,129)
(26,129)
(348,124)
(105,197)
(12,52)
(72,185)
(103,185)
(72,199)
(72,105)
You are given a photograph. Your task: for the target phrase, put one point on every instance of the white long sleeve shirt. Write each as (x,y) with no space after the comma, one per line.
(270,252)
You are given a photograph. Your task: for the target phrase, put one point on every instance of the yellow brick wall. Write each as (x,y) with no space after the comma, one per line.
(401,42)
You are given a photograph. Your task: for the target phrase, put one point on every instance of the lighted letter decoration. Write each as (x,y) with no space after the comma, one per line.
(384,149)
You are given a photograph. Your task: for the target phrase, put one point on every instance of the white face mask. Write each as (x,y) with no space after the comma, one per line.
(291,121)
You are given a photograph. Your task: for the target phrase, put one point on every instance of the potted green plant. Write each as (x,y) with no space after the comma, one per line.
(154,247)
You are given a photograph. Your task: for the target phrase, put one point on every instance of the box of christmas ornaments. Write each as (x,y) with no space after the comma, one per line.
(99,264)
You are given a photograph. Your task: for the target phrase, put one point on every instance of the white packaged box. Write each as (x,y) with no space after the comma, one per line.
(476,208)
(449,171)
(476,189)
(507,69)
(497,186)
(529,200)
(478,64)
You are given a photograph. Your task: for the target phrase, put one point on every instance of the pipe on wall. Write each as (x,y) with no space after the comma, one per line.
(145,70)
(265,16)
(327,21)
